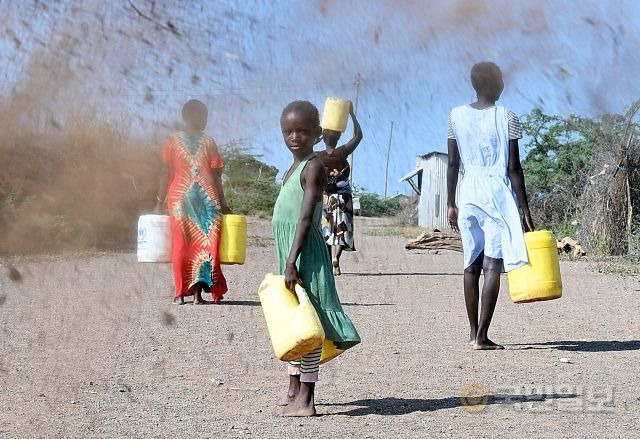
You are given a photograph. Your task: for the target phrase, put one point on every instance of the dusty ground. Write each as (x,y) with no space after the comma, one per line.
(91,347)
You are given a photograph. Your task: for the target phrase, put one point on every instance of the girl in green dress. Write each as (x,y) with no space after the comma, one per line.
(300,247)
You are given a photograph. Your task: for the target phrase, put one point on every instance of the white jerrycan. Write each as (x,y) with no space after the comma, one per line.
(154,238)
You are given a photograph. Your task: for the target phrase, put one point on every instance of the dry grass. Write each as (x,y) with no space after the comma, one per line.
(608,206)
(626,266)
(399,230)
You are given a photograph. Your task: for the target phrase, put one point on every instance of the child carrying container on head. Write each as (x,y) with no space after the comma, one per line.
(301,250)
(483,138)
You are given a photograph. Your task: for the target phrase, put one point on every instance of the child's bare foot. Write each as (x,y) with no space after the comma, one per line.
(299,409)
(486,345)
(472,337)
(178,301)
(287,400)
(292,393)
(303,404)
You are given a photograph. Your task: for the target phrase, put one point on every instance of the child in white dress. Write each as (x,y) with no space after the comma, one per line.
(483,138)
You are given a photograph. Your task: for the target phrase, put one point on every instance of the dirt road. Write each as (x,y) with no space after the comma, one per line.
(92,347)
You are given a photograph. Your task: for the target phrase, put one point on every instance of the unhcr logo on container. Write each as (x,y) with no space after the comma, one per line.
(142,235)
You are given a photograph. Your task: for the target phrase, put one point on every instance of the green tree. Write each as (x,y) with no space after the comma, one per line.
(249,183)
(561,155)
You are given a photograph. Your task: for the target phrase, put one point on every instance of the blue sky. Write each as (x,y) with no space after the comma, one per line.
(252,57)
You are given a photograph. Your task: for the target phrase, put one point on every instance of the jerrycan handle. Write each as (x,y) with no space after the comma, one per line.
(301,293)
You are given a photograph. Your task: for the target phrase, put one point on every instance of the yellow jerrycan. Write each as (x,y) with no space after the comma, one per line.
(233,240)
(335,114)
(329,351)
(540,278)
(292,321)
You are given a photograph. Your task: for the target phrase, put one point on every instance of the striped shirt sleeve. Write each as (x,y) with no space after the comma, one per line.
(515,130)
(450,133)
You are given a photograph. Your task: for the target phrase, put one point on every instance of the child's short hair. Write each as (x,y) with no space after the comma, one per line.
(193,104)
(305,107)
(484,75)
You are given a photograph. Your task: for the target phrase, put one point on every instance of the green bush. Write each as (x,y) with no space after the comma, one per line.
(560,229)
(373,205)
(249,183)
(559,157)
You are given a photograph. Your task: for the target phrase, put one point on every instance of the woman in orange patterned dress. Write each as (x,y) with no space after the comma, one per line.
(192,182)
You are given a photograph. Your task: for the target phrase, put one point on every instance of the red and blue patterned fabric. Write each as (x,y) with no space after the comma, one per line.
(194,210)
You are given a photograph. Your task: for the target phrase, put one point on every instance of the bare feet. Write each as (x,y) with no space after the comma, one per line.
(336,268)
(198,300)
(287,400)
(486,345)
(299,409)
(292,393)
(178,301)
(303,404)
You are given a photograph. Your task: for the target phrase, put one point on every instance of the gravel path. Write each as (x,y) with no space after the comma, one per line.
(92,347)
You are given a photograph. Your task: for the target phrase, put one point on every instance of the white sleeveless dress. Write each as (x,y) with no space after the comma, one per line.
(488,218)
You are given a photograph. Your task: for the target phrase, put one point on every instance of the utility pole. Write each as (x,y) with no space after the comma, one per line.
(386,171)
(355,111)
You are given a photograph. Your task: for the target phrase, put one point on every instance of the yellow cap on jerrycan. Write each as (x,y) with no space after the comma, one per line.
(540,278)
(233,240)
(293,323)
(335,114)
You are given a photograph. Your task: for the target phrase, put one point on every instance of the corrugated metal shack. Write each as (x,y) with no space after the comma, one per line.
(429,181)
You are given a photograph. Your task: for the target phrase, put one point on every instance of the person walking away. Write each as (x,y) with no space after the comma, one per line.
(337,222)
(483,138)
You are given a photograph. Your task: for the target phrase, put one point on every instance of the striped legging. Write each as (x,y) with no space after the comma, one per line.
(307,367)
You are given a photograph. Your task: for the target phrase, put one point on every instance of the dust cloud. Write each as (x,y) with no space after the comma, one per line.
(71,179)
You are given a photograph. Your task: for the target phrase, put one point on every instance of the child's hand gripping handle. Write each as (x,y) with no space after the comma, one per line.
(301,294)
(291,277)
(452,215)
(528,222)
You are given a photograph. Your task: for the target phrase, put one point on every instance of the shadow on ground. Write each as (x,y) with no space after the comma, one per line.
(257,303)
(401,274)
(585,345)
(240,302)
(367,304)
(401,406)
